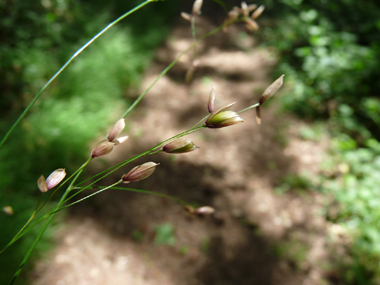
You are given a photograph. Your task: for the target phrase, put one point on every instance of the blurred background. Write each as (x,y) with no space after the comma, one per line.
(297,199)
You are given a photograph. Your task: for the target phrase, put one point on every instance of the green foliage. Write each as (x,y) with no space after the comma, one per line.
(297,182)
(357,190)
(293,250)
(37,37)
(330,53)
(164,235)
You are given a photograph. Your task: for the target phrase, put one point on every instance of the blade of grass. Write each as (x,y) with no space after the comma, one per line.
(66,64)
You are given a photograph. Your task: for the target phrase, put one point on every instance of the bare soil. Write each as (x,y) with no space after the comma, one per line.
(255,236)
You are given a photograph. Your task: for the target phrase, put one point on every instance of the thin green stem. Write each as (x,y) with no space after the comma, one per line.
(201,121)
(67,179)
(116,167)
(26,257)
(103,188)
(250,107)
(88,196)
(174,62)
(194,34)
(66,64)
(152,193)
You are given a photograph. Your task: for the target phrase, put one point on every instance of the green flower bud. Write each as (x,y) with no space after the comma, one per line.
(179,146)
(223,118)
(140,172)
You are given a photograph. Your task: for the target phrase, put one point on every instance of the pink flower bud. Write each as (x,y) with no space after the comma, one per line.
(140,172)
(116,130)
(211,100)
(102,148)
(53,180)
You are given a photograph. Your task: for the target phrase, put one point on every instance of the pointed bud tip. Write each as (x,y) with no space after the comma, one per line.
(116,130)
(120,140)
(258,115)
(272,89)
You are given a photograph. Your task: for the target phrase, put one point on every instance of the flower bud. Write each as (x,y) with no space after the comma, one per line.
(186,16)
(223,118)
(269,92)
(205,210)
(116,130)
(41,183)
(197,7)
(258,12)
(251,25)
(140,172)
(102,148)
(53,180)
(244,8)
(211,100)
(8,210)
(251,7)
(179,146)
(232,15)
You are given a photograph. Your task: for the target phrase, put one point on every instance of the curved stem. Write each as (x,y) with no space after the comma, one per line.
(66,64)
(174,62)
(88,196)
(116,167)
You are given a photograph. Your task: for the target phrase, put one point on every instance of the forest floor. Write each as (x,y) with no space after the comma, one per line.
(256,235)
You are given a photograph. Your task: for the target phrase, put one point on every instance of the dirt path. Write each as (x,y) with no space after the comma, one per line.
(255,236)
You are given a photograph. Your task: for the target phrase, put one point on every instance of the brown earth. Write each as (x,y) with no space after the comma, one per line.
(255,236)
